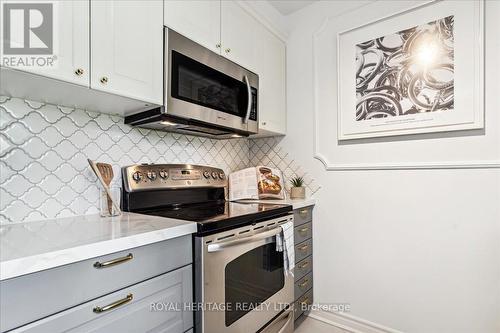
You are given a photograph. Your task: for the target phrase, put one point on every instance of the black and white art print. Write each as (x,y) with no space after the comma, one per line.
(417,71)
(405,73)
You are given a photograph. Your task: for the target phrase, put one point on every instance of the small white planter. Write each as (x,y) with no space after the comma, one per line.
(298,192)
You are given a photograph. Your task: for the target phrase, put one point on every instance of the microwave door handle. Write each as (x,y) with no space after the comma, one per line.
(250,239)
(249,104)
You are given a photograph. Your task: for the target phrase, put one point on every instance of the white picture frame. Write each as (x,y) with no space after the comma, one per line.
(467,111)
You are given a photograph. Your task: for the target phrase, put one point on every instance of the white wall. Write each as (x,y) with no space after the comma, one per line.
(414,250)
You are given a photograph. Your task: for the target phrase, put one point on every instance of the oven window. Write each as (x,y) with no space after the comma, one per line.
(200,84)
(251,279)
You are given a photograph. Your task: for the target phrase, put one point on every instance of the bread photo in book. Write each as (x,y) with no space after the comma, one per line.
(269,182)
(260,182)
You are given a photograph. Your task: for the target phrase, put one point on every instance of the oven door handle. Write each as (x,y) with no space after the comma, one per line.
(286,327)
(250,239)
(282,324)
(249,104)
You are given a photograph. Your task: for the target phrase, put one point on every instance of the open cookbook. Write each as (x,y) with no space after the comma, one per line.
(260,182)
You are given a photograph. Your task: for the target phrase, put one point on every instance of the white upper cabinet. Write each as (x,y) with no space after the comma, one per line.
(127,48)
(70,43)
(271,67)
(239,35)
(249,43)
(198,20)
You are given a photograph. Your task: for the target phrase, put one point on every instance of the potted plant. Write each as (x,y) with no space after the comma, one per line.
(298,191)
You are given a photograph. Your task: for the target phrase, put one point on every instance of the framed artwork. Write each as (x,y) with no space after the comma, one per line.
(417,71)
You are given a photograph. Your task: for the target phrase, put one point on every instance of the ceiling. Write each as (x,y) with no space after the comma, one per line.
(287,7)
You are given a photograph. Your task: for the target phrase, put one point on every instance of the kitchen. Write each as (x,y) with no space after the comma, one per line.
(184,109)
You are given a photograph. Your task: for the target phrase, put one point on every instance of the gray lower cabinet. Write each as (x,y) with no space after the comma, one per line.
(303,267)
(154,305)
(63,299)
(303,261)
(301,306)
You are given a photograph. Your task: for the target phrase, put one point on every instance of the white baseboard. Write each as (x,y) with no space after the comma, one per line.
(350,323)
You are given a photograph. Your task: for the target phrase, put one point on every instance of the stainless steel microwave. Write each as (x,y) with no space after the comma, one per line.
(205,93)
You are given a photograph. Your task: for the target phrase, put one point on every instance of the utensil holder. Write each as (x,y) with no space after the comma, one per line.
(106,205)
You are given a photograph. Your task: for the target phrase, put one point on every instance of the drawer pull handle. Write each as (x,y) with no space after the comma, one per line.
(113,262)
(303,211)
(305,301)
(303,247)
(303,284)
(113,305)
(304,230)
(304,265)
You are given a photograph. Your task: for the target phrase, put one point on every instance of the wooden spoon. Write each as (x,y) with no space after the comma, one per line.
(94,168)
(106,171)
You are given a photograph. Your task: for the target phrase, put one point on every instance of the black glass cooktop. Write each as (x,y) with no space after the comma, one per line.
(221,215)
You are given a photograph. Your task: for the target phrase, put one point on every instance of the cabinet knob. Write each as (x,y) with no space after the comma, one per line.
(228,50)
(104,80)
(264,123)
(217,45)
(79,71)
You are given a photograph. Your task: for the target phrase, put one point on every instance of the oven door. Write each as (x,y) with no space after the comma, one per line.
(204,86)
(246,275)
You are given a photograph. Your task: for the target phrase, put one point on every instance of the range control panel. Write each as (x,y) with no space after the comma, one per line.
(163,176)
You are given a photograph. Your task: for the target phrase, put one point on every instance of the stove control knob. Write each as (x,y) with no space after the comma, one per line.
(206,174)
(151,175)
(221,175)
(214,175)
(163,174)
(137,176)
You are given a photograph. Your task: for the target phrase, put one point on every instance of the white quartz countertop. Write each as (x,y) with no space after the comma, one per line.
(35,246)
(296,203)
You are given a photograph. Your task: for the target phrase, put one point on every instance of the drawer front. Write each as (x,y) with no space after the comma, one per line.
(303,250)
(303,285)
(306,299)
(302,215)
(142,309)
(302,268)
(302,232)
(34,296)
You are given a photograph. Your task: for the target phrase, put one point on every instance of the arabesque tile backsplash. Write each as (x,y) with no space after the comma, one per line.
(44,149)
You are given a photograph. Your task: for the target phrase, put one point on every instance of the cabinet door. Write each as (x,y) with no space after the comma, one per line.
(70,42)
(22,300)
(127,48)
(155,305)
(271,67)
(198,20)
(239,35)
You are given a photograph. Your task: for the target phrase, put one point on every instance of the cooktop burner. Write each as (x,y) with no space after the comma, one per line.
(192,193)
(219,216)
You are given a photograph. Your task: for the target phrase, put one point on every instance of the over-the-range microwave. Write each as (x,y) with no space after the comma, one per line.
(206,94)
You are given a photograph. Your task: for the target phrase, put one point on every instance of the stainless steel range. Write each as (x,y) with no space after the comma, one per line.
(240,283)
